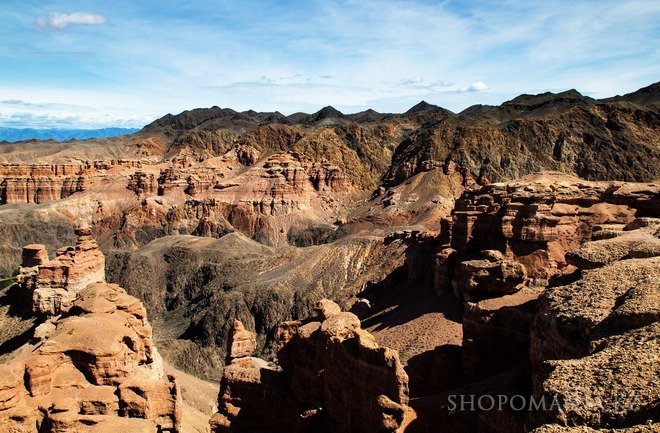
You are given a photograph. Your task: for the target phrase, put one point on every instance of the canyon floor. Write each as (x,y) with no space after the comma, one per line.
(325,272)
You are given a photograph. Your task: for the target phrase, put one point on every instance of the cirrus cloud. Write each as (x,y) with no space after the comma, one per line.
(60,21)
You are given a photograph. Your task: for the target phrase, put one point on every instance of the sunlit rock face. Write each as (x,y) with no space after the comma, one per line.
(596,339)
(54,284)
(94,366)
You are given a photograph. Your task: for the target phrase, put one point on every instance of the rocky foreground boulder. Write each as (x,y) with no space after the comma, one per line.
(331,377)
(594,343)
(91,368)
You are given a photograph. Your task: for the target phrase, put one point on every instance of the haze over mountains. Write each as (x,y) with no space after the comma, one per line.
(13,135)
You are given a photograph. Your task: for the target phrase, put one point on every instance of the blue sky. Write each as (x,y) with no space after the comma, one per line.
(74,63)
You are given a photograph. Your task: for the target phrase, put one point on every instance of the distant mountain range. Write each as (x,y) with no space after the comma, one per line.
(13,135)
(215,118)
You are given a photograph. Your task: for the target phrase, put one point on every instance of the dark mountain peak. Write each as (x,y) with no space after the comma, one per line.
(367,116)
(477,109)
(191,118)
(423,112)
(275,117)
(546,102)
(571,93)
(539,99)
(649,95)
(326,113)
(421,106)
(298,117)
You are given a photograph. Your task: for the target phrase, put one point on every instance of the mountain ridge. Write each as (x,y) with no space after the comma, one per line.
(198,117)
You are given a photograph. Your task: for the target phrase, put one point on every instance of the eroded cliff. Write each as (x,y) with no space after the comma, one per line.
(91,367)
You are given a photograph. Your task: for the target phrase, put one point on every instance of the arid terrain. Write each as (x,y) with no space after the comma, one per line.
(255,272)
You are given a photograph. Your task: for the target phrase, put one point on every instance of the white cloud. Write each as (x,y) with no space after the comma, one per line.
(17,113)
(60,21)
(60,120)
(477,86)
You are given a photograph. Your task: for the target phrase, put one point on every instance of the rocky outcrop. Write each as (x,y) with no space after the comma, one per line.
(284,183)
(537,219)
(620,297)
(594,342)
(242,343)
(567,132)
(54,284)
(214,218)
(327,177)
(492,275)
(92,369)
(506,244)
(331,377)
(37,184)
(622,245)
(143,184)
(191,180)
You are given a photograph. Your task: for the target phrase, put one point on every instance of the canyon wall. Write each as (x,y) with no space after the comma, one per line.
(559,282)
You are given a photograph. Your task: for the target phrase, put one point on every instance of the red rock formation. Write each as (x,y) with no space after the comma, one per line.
(92,369)
(54,284)
(241,342)
(537,219)
(39,183)
(492,275)
(325,176)
(143,184)
(34,255)
(496,333)
(245,154)
(508,241)
(333,378)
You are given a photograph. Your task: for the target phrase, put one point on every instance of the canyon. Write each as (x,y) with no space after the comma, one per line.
(337,273)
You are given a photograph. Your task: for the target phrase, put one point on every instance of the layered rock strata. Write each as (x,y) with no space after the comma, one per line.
(537,219)
(39,183)
(590,361)
(54,284)
(506,242)
(331,377)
